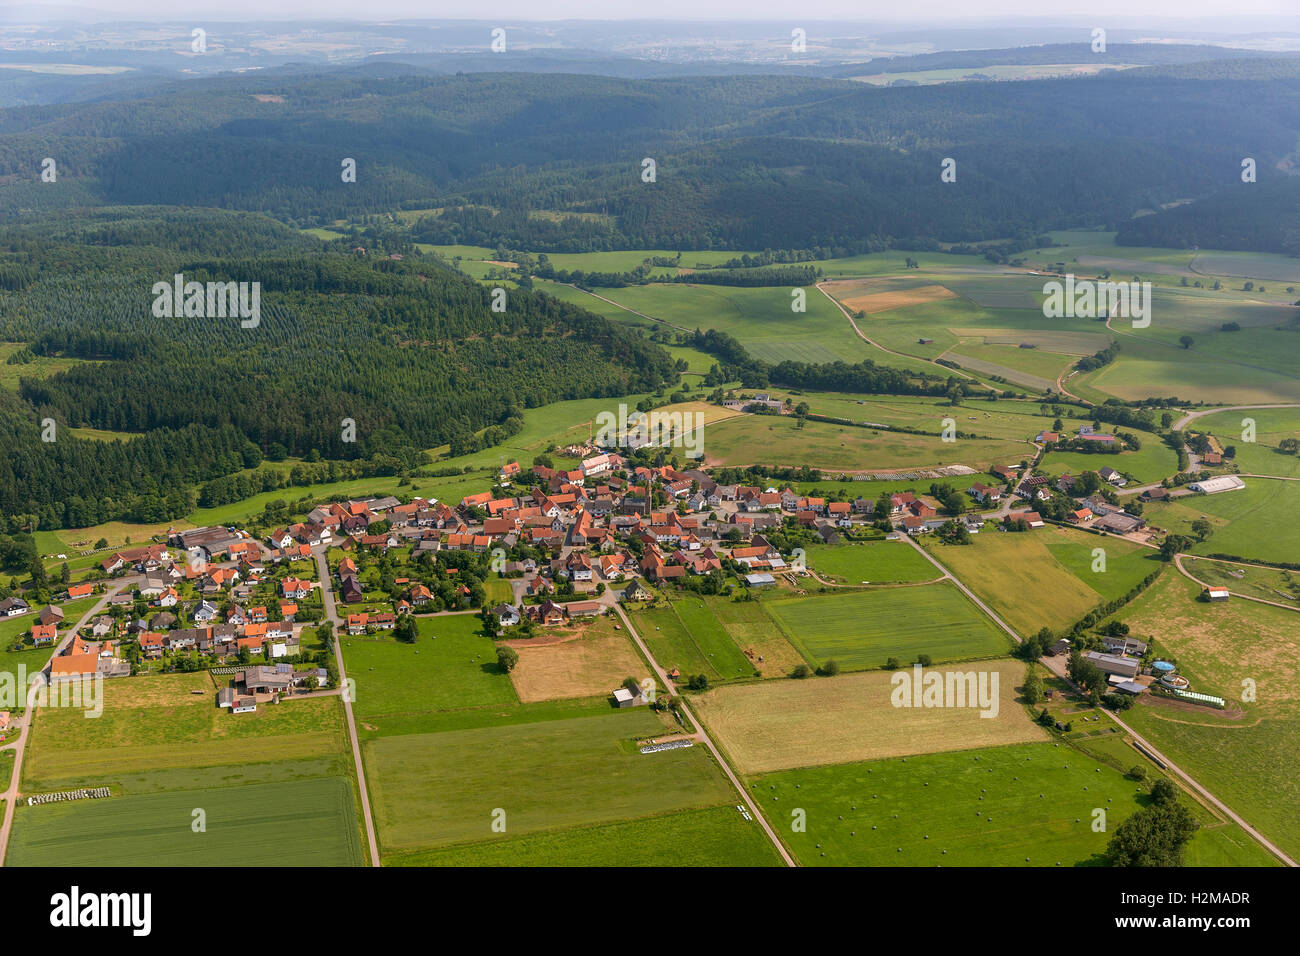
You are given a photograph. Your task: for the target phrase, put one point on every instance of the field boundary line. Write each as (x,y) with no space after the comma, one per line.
(707,741)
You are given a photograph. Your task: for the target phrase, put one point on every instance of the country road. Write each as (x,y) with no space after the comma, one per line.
(24,724)
(914,358)
(1178,562)
(619,305)
(331,614)
(703,735)
(1192,416)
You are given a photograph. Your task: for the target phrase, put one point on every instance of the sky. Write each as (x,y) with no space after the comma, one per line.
(935,11)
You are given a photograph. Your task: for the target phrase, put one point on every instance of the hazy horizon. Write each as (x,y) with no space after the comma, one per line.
(1172,13)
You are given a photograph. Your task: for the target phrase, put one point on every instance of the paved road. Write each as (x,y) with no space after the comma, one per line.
(703,735)
(1178,561)
(331,614)
(1057,666)
(1191,416)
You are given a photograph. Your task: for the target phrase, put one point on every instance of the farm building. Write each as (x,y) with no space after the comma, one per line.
(625,698)
(760,580)
(1119,522)
(1213,486)
(1216,594)
(585,608)
(1110,664)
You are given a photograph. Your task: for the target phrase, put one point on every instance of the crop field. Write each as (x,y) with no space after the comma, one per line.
(1220,645)
(778,440)
(988,367)
(753,315)
(874,562)
(1031,367)
(593,659)
(1252,366)
(302,823)
(716,837)
(153,723)
(689,637)
(1044,578)
(452,665)
(783,724)
(880,295)
(753,631)
(866,628)
(436,789)
(1250,265)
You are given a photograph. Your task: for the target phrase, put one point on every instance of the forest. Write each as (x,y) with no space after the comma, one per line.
(556,162)
(357,358)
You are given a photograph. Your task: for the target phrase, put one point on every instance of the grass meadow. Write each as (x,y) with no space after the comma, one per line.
(300,823)
(543,775)
(866,628)
(719,836)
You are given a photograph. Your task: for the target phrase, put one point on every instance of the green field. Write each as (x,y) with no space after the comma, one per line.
(1020,805)
(1249,767)
(1267,584)
(873,562)
(1258,516)
(1261,456)
(1045,578)
(302,823)
(452,665)
(1253,365)
(715,837)
(689,636)
(866,628)
(778,440)
(435,789)
(155,723)
(1152,462)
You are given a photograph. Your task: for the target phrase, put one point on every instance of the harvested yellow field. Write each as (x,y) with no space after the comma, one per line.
(590,660)
(898,298)
(781,725)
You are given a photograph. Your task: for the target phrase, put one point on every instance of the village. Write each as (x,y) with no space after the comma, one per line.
(562,545)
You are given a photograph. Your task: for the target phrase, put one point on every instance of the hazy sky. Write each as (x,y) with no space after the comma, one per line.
(934,12)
